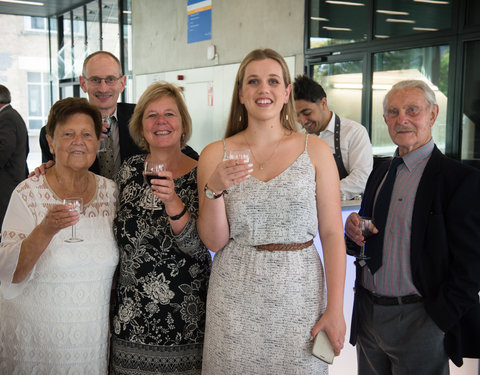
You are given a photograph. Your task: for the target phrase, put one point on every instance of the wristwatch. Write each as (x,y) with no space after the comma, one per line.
(210,194)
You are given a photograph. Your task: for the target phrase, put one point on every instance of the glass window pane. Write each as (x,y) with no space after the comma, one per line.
(35,124)
(428,64)
(79,46)
(127,48)
(342,82)
(65,63)
(93,27)
(110,28)
(473,10)
(34,77)
(337,22)
(405,17)
(35,100)
(471,106)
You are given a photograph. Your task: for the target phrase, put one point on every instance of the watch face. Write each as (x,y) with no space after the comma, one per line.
(209,194)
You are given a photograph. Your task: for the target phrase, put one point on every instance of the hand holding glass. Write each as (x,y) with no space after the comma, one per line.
(150,173)
(77,205)
(366,225)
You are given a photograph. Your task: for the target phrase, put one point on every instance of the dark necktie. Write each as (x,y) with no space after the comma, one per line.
(380,213)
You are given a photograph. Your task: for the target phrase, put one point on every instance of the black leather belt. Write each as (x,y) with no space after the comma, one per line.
(391,301)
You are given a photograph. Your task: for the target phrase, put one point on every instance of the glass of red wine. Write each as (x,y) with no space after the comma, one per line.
(150,173)
(366,225)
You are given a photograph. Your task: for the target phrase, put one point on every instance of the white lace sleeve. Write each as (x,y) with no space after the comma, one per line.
(17,225)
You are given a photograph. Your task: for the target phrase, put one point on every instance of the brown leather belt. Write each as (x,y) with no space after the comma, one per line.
(284,246)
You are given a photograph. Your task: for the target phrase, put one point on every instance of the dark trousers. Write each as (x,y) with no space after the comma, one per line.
(398,340)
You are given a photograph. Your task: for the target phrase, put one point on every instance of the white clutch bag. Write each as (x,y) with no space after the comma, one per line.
(322,348)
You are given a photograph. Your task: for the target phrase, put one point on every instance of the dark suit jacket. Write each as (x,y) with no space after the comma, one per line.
(13,154)
(128,147)
(445,250)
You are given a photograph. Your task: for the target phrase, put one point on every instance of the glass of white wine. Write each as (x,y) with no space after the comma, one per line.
(77,205)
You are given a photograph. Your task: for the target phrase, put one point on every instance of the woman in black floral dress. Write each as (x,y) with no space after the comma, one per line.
(159,311)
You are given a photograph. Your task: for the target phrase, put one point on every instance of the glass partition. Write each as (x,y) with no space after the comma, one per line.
(79,40)
(337,22)
(65,62)
(343,83)
(429,64)
(471,106)
(93,27)
(110,28)
(405,17)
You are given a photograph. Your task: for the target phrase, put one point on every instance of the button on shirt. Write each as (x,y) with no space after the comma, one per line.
(356,152)
(394,277)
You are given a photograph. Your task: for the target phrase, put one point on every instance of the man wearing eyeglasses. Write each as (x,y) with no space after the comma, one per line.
(103,81)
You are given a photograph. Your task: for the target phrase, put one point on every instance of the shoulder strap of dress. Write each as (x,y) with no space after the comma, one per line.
(306,141)
(224,150)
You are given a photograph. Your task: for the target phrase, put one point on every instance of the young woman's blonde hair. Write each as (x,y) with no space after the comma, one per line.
(153,92)
(237,119)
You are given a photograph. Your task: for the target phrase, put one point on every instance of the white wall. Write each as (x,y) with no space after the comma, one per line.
(208,93)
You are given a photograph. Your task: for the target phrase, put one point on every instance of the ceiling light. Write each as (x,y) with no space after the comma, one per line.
(382,36)
(319,19)
(397,20)
(393,12)
(424,29)
(340,2)
(23,2)
(127,12)
(336,28)
(432,2)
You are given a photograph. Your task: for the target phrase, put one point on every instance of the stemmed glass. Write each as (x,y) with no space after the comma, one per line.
(77,205)
(103,143)
(366,226)
(240,155)
(150,172)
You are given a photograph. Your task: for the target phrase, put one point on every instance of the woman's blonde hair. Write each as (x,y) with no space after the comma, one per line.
(153,92)
(237,119)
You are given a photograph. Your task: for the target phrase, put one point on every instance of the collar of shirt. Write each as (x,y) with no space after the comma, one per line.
(415,157)
(331,125)
(5,106)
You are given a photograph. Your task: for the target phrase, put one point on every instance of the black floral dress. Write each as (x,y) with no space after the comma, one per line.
(160,294)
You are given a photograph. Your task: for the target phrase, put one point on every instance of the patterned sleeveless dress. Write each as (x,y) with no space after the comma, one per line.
(261,305)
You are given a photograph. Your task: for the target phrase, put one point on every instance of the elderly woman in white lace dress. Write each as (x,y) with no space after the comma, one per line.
(55,291)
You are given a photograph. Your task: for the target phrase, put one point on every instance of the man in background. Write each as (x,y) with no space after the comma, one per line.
(347,139)
(416,295)
(13,150)
(103,81)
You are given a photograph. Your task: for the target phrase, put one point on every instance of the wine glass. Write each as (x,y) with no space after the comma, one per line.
(103,143)
(366,226)
(77,205)
(240,155)
(150,172)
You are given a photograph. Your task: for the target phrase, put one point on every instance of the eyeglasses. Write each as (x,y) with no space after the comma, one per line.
(109,81)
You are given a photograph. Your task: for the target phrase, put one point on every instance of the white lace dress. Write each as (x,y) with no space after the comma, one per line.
(56,320)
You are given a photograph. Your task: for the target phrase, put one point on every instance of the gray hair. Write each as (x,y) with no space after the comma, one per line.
(5,97)
(412,84)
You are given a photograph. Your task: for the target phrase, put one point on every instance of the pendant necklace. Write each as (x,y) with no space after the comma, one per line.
(262,164)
